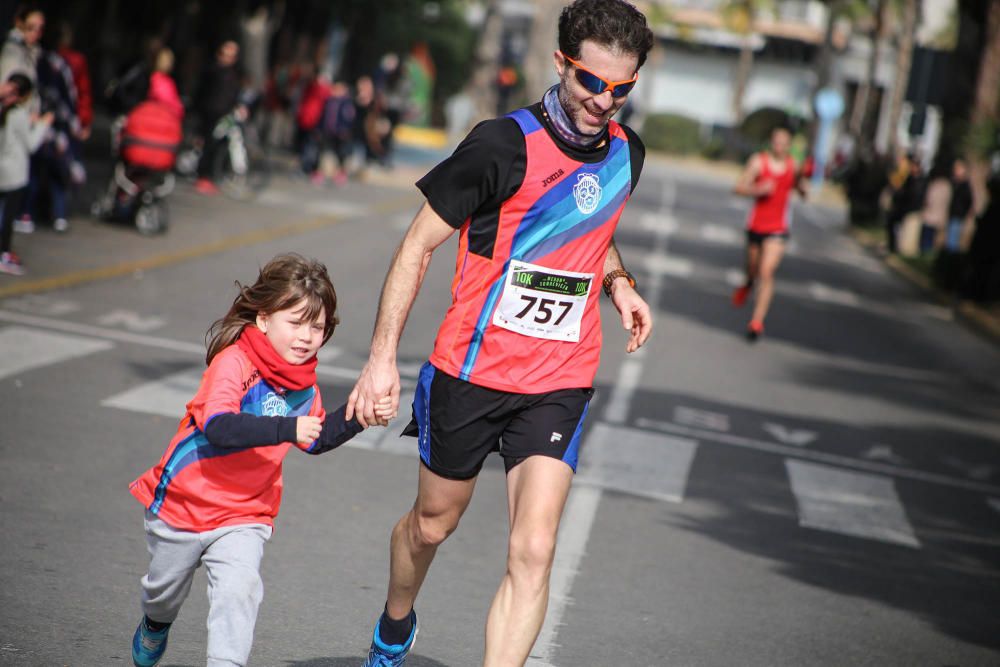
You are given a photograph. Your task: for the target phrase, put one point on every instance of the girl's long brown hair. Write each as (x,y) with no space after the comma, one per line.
(283,282)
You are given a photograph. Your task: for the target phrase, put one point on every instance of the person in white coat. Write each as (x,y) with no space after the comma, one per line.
(20,136)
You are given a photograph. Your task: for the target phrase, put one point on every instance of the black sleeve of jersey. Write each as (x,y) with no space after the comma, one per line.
(238,431)
(637,154)
(487,167)
(336,431)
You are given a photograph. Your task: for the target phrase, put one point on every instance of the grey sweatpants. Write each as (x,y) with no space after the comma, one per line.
(232,561)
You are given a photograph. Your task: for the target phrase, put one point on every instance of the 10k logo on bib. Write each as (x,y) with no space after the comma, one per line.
(587,193)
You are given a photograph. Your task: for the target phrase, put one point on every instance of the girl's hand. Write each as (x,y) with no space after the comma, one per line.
(307,429)
(383,410)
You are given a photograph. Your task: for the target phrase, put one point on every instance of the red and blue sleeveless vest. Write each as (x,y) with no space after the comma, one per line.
(527,319)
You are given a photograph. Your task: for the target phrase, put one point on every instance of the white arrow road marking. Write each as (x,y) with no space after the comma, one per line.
(878,452)
(131,320)
(25,349)
(716,421)
(850,503)
(797,437)
(828,294)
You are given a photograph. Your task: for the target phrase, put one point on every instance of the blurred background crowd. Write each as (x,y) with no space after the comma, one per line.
(910,129)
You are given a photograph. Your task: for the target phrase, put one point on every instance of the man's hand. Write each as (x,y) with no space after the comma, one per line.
(378,380)
(307,429)
(636,316)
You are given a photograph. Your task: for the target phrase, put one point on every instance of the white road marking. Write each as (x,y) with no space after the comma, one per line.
(879,452)
(662,223)
(788,436)
(131,320)
(850,503)
(828,294)
(325,205)
(26,349)
(736,277)
(677,267)
(637,462)
(722,234)
(717,421)
(43,304)
(167,396)
(813,455)
(621,395)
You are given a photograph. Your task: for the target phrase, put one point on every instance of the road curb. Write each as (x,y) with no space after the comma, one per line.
(968,312)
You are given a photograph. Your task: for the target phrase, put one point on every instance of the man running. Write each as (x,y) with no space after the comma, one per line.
(536,196)
(769,178)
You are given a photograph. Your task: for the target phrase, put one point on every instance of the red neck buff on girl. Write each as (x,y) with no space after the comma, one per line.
(278,372)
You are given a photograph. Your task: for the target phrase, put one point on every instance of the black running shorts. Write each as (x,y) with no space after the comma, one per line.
(757,238)
(458,424)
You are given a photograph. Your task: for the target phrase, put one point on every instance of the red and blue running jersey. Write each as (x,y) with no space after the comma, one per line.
(198,486)
(525,317)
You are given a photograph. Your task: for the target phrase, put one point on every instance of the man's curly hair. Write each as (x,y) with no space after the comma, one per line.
(615,24)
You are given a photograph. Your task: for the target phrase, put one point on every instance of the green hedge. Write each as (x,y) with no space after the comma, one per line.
(672,133)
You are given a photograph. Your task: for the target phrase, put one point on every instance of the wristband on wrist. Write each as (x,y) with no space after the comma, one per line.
(614,275)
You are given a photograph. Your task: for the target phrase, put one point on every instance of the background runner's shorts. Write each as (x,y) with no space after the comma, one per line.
(458,424)
(757,238)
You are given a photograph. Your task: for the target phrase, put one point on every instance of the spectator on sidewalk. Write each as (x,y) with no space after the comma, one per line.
(337,127)
(21,50)
(77,63)
(52,168)
(906,188)
(934,214)
(315,92)
(960,207)
(982,279)
(162,87)
(18,138)
(218,94)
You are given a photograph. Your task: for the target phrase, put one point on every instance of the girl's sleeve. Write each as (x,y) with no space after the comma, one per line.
(336,429)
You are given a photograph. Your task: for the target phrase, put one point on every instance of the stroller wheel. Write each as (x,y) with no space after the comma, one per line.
(151,218)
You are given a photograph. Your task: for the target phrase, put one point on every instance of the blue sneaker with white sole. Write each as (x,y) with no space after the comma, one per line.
(148,645)
(390,655)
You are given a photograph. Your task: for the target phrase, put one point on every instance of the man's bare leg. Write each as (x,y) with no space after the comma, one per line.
(536,495)
(435,514)
(771,252)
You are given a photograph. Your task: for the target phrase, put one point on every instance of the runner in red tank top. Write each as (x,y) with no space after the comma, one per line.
(769,178)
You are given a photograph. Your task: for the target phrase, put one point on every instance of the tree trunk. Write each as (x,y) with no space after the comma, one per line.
(986,103)
(482,86)
(862,101)
(904,61)
(539,72)
(743,68)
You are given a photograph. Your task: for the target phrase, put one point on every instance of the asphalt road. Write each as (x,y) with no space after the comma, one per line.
(827,496)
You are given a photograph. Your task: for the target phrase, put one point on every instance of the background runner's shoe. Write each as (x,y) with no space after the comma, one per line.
(390,655)
(740,295)
(148,645)
(755,330)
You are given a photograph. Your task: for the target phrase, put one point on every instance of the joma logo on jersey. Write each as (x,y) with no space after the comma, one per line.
(551,178)
(587,192)
(274,405)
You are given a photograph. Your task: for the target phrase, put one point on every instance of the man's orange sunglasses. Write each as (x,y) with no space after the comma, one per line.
(597,84)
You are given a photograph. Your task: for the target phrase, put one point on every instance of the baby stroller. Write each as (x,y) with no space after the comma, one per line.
(145,143)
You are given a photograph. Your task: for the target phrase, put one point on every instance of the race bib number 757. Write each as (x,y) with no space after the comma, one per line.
(543,303)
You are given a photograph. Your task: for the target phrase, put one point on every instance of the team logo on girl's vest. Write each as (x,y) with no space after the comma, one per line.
(587,193)
(274,406)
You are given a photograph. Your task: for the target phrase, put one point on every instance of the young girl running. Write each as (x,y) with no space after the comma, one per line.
(214,494)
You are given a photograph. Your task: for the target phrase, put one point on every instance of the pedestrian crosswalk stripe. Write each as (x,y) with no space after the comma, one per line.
(27,349)
(652,465)
(850,503)
(722,234)
(166,396)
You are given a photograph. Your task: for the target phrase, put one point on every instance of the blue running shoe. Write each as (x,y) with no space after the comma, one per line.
(390,655)
(148,645)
